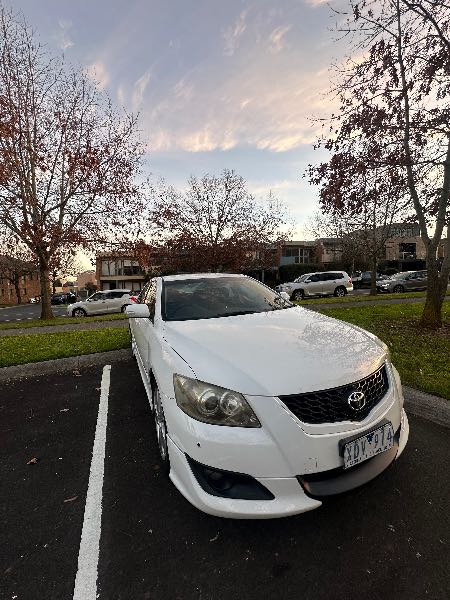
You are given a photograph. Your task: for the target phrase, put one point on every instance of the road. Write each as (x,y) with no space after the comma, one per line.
(388,539)
(24,312)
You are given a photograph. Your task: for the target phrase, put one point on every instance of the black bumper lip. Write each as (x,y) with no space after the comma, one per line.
(338,481)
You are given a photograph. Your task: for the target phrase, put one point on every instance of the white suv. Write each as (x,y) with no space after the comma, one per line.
(326,283)
(109,301)
(262,409)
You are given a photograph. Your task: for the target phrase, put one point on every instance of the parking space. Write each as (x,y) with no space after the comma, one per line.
(389,538)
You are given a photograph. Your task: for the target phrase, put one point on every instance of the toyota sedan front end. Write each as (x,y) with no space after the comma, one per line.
(262,409)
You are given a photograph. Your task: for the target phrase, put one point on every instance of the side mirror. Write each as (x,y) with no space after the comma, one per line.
(137,311)
(285,296)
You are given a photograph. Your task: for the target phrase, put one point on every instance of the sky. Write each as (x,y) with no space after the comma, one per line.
(218,83)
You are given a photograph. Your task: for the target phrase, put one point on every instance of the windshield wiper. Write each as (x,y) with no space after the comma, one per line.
(239,312)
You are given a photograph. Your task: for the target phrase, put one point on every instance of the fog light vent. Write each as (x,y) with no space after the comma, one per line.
(226,484)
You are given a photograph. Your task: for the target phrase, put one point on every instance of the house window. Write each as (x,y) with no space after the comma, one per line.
(300,255)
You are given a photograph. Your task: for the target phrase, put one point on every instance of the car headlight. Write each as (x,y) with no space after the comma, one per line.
(213,404)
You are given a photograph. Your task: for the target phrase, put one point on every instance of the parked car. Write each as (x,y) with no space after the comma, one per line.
(134,295)
(59,298)
(404,282)
(326,283)
(364,279)
(262,408)
(110,301)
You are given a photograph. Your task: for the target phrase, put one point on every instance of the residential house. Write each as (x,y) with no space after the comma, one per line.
(118,271)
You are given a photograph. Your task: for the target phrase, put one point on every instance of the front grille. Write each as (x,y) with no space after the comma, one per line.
(331,406)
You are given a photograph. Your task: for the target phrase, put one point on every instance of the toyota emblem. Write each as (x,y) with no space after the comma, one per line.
(357,400)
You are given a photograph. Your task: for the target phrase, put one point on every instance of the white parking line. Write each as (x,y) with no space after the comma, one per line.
(86,578)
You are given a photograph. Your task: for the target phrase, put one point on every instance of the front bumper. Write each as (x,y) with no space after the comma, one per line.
(281,455)
(292,495)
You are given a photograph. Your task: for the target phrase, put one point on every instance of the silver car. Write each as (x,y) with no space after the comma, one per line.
(404,282)
(325,283)
(109,301)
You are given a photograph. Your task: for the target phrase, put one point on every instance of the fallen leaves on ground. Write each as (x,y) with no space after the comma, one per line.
(32,461)
(72,499)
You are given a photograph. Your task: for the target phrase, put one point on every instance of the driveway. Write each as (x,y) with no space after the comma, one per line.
(388,539)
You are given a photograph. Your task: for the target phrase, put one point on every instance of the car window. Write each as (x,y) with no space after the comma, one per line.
(314,278)
(98,296)
(209,298)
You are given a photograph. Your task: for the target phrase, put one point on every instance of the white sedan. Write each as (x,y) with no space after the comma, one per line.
(262,408)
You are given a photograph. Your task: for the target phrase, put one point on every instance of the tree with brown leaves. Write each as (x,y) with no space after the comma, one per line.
(215,225)
(68,161)
(393,123)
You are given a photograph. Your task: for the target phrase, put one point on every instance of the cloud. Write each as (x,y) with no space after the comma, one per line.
(98,73)
(233,34)
(276,39)
(139,90)
(63,37)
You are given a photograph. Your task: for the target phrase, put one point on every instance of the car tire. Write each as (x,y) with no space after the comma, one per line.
(398,289)
(122,310)
(298,295)
(161,428)
(79,312)
(340,292)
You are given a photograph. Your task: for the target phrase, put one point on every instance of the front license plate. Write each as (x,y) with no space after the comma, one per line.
(370,444)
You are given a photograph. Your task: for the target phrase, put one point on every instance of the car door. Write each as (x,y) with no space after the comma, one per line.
(422,280)
(313,285)
(142,329)
(118,299)
(410,281)
(96,304)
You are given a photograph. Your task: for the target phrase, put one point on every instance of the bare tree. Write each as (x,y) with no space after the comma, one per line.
(394,93)
(215,225)
(68,161)
(16,262)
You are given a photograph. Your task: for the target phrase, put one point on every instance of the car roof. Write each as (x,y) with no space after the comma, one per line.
(200,276)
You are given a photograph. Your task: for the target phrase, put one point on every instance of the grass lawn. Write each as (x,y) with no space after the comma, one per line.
(365,298)
(61,321)
(422,357)
(21,349)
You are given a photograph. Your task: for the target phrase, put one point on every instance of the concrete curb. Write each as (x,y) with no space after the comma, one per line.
(417,403)
(63,364)
(427,406)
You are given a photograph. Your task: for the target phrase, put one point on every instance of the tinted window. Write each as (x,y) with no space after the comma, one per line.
(314,278)
(98,296)
(209,298)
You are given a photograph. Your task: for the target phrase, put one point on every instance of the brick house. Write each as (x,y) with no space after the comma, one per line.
(17,275)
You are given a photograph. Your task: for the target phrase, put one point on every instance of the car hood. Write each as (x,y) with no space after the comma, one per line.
(281,352)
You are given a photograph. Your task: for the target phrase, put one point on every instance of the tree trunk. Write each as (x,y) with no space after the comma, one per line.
(373,280)
(17,289)
(432,311)
(44,275)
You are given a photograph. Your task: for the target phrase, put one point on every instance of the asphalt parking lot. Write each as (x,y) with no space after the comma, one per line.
(388,539)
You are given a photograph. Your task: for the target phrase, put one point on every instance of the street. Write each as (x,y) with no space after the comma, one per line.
(387,539)
(24,312)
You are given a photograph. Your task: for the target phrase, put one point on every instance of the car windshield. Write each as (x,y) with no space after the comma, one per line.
(302,278)
(399,276)
(209,298)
